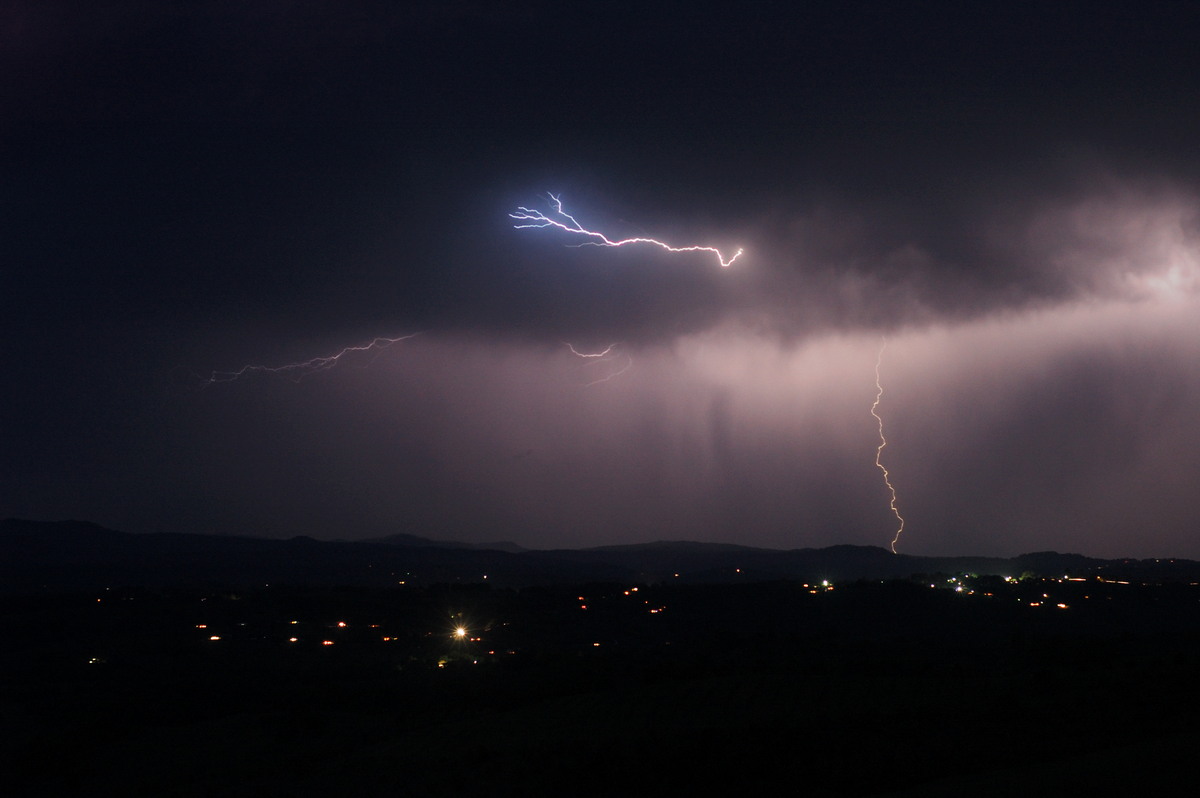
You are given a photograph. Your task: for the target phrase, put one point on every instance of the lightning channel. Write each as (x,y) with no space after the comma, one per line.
(882,443)
(306,368)
(534,218)
(605,355)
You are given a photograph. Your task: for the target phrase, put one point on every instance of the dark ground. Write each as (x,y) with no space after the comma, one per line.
(865,689)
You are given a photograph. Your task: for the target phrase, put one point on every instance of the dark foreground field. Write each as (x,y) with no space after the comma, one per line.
(782,688)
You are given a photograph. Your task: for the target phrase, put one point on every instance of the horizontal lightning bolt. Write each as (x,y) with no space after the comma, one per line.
(566,222)
(604,355)
(298,371)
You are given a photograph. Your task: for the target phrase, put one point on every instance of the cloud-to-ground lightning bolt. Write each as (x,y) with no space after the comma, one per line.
(603,356)
(882,443)
(531,217)
(298,371)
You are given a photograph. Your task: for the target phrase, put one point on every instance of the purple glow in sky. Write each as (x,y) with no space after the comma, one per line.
(1011,198)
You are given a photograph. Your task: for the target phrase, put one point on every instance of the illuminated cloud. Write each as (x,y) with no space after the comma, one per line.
(1013,203)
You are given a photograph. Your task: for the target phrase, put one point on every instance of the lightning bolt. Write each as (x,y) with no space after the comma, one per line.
(565,221)
(298,371)
(882,443)
(604,355)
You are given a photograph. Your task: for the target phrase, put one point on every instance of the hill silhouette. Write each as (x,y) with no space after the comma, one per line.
(40,556)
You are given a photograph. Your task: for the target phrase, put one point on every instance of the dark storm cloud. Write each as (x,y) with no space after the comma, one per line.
(1008,194)
(335,164)
(1105,237)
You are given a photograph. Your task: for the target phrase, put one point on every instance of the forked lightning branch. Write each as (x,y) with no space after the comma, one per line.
(558,218)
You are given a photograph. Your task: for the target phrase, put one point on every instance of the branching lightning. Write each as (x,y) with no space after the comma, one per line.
(298,371)
(882,443)
(605,355)
(564,221)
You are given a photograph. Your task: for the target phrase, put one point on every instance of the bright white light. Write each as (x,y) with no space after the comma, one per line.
(536,218)
(882,443)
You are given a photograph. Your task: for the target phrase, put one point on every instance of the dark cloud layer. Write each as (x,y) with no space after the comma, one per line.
(1011,195)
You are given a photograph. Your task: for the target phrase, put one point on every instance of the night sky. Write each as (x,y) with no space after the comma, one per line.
(1008,193)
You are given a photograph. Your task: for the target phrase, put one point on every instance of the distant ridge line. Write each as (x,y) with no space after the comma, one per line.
(68,555)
